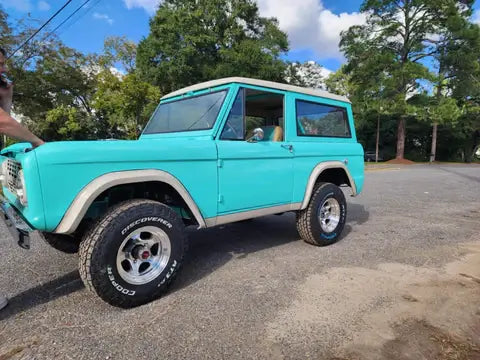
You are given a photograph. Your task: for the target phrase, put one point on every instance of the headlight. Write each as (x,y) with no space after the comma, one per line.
(21,189)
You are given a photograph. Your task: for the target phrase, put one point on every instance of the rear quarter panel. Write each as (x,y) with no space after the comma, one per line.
(311,151)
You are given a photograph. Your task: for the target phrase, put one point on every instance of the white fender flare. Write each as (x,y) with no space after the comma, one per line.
(316,173)
(78,208)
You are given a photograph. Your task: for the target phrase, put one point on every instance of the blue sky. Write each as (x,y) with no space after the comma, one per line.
(313,26)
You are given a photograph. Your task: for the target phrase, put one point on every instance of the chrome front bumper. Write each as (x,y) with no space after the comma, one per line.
(19,229)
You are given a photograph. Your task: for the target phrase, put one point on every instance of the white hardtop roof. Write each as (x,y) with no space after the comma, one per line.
(255,82)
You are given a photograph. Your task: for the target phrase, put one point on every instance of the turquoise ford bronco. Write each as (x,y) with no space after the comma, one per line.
(214,153)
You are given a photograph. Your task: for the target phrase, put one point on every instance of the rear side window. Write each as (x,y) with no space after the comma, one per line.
(314,119)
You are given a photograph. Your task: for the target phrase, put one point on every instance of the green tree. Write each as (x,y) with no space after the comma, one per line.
(453,36)
(389,52)
(119,50)
(64,123)
(124,103)
(307,74)
(463,61)
(60,78)
(368,100)
(49,76)
(197,40)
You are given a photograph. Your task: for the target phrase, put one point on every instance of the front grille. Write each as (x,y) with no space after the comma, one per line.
(13,167)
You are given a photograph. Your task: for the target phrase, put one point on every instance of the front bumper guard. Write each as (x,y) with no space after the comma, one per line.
(19,229)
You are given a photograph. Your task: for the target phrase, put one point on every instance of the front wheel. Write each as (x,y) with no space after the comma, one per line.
(133,253)
(322,221)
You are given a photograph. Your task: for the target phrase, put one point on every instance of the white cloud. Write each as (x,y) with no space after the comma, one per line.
(117,72)
(329,27)
(43,5)
(309,25)
(150,6)
(19,5)
(104,17)
(325,72)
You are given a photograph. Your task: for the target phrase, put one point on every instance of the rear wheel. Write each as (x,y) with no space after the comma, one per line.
(322,222)
(133,253)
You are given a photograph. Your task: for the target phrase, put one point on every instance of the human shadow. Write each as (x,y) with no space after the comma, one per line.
(357,214)
(465,176)
(41,294)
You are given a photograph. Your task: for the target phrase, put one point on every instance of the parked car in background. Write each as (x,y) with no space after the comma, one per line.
(370,156)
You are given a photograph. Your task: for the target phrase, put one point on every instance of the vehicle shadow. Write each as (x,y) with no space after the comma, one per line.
(212,248)
(209,250)
(44,293)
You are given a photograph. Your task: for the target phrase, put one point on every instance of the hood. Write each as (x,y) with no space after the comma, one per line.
(123,151)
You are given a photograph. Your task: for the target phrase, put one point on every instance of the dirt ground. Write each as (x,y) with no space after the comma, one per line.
(426,313)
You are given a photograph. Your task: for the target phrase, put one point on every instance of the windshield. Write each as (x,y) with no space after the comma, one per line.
(195,113)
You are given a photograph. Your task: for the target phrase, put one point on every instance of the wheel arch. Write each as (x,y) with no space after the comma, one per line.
(329,171)
(84,199)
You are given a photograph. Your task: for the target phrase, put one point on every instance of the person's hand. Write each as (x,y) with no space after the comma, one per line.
(38,143)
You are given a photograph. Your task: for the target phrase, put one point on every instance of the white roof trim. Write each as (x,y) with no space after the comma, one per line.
(255,82)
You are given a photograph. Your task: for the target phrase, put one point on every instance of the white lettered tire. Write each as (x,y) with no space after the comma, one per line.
(322,222)
(133,253)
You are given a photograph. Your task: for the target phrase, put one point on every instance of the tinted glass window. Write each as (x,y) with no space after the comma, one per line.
(321,120)
(196,113)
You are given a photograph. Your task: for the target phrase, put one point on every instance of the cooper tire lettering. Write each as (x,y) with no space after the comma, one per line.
(99,252)
(116,285)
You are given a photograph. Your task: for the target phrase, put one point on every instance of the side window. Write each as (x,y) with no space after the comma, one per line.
(315,119)
(255,109)
(234,127)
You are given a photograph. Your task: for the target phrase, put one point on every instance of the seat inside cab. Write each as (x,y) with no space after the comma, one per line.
(265,110)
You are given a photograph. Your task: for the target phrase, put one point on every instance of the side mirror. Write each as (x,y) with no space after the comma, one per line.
(257,135)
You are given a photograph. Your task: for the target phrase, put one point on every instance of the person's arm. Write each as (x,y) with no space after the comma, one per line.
(9,126)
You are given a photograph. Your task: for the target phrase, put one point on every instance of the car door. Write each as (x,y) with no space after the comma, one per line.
(253,173)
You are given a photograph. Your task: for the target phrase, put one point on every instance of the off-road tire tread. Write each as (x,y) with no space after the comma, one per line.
(303,218)
(92,237)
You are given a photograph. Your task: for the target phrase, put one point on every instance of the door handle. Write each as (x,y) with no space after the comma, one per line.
(288,147)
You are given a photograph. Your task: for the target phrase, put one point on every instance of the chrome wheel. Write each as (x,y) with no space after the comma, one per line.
(143,255)
(329,215)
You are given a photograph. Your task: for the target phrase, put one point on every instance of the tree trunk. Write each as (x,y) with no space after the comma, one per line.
(378,139)
(401,138)
(434,142)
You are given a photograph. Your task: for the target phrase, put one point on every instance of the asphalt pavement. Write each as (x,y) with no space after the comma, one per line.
(251,290)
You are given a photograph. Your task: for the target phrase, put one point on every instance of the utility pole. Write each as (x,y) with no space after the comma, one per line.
(378,134)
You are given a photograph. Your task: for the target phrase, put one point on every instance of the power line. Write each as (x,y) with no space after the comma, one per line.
(69,17)
(79,17)
(41,27)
